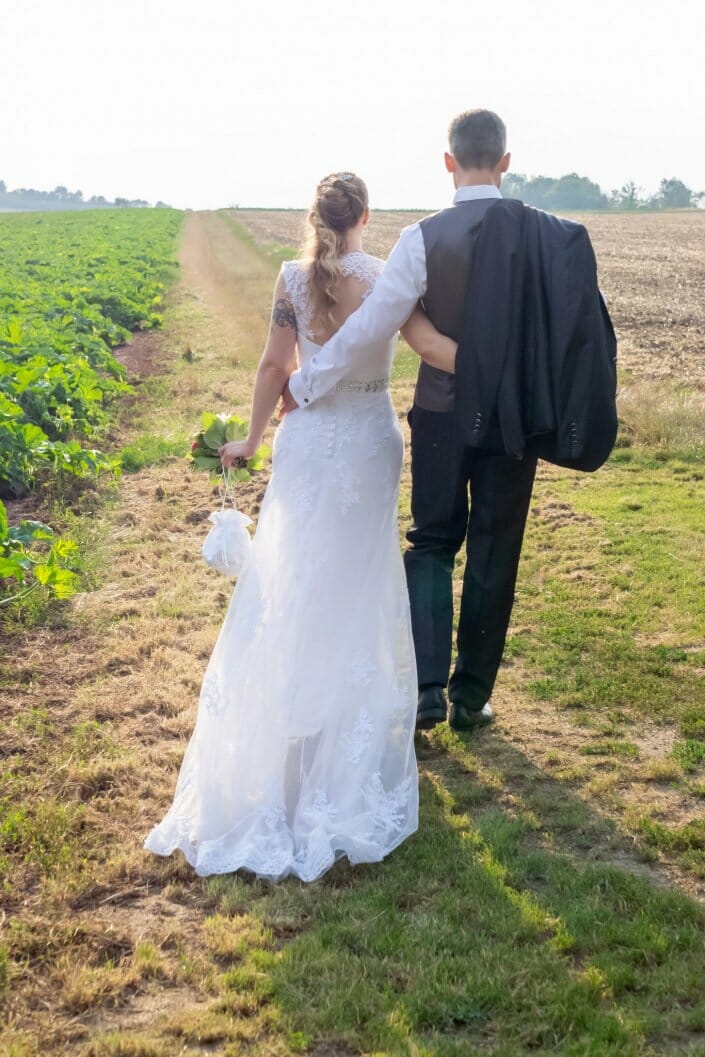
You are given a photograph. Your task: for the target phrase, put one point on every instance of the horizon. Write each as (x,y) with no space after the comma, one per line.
(84,203)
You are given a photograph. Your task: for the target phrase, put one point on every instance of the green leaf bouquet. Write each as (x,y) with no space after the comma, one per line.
(215,431)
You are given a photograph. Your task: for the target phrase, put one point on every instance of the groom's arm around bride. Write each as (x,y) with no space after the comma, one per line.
(535,377)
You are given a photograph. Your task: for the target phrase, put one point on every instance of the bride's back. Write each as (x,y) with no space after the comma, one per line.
(358,274)
(334,275)
(339,275)
(316,322)
(350,292)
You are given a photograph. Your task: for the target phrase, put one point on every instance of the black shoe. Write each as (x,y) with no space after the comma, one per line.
(432,708)
(462,718)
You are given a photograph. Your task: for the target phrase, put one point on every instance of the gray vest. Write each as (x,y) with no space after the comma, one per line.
(448,239)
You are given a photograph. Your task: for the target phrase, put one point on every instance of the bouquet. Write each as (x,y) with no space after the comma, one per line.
(215,431)
(228,544)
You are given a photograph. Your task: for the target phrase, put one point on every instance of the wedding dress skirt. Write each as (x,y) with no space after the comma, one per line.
(303,746)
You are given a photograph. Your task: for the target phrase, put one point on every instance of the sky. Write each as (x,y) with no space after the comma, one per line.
(250,102)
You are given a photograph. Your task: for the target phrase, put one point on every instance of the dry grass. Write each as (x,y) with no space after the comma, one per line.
(659,414)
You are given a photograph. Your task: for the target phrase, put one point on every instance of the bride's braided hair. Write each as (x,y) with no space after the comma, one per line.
(340,200)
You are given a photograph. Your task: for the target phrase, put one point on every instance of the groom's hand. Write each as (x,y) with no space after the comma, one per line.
(288,403)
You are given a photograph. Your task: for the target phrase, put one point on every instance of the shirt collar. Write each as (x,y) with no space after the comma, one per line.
(469,194)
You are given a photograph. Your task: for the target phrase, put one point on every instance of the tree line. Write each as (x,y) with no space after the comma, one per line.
(545,192)
(578,192)
(29,198)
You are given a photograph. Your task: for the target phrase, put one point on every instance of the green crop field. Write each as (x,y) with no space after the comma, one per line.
(72,287)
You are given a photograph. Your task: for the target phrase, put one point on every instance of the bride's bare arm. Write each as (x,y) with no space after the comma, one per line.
(433,347)
(277,363)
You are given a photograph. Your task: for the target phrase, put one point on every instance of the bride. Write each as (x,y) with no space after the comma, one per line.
(303,749)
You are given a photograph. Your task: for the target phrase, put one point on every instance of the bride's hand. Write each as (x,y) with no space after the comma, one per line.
(288,403)
(236,449)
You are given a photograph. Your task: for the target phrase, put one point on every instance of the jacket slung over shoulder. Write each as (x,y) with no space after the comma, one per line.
(536,368)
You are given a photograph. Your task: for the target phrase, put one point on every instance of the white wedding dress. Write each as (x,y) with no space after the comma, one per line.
(303,747)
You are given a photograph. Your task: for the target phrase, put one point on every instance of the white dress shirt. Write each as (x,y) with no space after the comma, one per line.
(395,296)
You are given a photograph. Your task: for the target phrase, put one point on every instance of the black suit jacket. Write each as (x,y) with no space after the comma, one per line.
(536,363)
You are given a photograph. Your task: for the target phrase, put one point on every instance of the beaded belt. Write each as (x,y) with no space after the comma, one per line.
(363,387)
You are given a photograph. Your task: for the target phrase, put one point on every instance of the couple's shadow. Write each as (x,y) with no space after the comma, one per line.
(508,923)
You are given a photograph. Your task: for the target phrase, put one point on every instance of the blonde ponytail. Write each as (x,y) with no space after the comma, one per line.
(340,201)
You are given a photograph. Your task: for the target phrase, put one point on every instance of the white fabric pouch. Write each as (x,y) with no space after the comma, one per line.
(227,546)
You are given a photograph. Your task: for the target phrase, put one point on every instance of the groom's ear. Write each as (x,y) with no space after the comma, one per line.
(451,163)
(505,162)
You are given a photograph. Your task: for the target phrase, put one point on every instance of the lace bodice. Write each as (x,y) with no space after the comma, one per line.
(362,265)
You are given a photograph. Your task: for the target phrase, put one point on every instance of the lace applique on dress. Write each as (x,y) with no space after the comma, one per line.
(361,265)
(356,741)
(361,671)
(303,500)
(348,487)
(381,434)
(296,281)
(389,806)
(321,809)
(274,816)
(364,267)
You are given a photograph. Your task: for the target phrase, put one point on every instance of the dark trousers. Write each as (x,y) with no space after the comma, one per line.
(493,523)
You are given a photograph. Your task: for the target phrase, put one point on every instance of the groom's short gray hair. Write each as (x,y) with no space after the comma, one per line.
(477,139)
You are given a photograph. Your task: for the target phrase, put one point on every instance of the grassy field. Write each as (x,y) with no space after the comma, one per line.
(552,899)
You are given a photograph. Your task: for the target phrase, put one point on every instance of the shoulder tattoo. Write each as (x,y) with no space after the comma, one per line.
(283,314)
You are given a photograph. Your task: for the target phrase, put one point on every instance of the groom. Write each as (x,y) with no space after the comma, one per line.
(433,262)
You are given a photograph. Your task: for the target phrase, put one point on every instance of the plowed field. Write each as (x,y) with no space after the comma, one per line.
(651,267)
